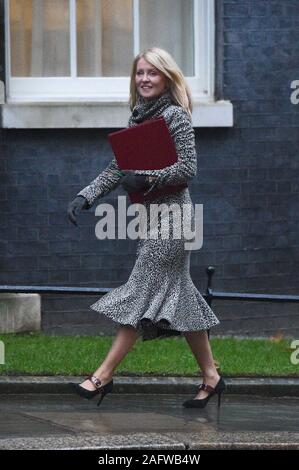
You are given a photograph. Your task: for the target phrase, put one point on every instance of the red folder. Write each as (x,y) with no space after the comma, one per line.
(147,146)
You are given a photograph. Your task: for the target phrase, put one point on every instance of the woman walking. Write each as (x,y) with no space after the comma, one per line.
(159,299)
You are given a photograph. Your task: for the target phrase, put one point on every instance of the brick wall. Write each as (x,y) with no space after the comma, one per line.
(247,181)
(257,164)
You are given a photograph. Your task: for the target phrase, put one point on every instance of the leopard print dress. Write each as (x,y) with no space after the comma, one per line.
(159,299)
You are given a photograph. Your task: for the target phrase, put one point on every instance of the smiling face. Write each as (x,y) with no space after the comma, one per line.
(150,82)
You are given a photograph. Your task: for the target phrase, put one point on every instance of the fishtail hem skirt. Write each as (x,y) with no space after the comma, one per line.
(160,299)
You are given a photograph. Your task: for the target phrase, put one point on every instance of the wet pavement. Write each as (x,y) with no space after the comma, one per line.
(147,421)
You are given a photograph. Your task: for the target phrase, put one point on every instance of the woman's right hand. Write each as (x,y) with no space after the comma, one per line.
(75,207)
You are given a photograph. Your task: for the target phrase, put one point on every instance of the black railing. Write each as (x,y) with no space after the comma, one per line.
(55,290)
(209,296)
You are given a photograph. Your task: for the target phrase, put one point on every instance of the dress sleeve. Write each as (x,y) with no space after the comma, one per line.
(105,182)
(185,168)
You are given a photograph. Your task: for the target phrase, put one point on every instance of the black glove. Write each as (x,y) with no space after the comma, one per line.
(75,207)
(132,182)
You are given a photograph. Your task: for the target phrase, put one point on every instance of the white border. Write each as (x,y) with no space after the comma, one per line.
(101,115)
(50,108)
(72,89)
(73,38)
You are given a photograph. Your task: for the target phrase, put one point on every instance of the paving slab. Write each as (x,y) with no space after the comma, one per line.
(142,421)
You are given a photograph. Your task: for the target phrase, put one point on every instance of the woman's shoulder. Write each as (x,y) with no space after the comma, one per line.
(175,110)
(176,115)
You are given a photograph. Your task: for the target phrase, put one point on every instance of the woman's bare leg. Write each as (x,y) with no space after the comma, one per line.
(200,346)
(124,340)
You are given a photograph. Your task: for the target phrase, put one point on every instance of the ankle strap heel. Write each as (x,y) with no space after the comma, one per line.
(107,388)
(201,403)
(100,389)
(95,381)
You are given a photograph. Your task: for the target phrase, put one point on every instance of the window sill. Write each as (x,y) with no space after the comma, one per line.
(112,114)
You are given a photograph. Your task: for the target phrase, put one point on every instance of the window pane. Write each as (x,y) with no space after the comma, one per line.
(39,35)
(104,38)
(169,24)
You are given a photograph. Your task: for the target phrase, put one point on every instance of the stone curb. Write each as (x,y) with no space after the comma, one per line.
(272,386)
(158,441)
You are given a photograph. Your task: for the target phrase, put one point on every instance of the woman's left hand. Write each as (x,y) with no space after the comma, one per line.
(132,182)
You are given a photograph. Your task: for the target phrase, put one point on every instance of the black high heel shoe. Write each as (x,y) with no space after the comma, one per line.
(102,389)
(201,403)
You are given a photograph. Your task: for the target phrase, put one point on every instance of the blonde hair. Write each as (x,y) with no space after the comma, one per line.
(163,61)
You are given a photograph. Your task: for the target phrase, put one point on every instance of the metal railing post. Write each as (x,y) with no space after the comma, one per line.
(209,292)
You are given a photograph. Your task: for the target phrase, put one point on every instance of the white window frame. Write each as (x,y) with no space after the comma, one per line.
(72,92)
(73,88)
